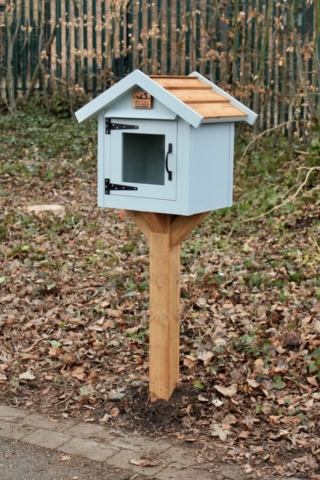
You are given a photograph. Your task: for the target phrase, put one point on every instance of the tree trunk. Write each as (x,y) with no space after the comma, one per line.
(11,14)
(39,65)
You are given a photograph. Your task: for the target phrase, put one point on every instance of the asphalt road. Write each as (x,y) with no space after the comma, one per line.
(21,461)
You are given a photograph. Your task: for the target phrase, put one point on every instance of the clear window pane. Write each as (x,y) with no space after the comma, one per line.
(143,158)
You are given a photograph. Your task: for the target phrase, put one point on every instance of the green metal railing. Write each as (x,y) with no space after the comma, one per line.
(246,46)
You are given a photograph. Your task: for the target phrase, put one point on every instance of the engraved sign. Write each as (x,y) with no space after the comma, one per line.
(141,100)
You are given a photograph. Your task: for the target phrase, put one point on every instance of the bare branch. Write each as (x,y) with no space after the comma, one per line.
(289,199)
(259,136)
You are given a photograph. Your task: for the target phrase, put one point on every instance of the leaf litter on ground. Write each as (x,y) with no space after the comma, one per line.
(74,307)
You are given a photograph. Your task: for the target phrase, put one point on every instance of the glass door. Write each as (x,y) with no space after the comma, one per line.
(144,158)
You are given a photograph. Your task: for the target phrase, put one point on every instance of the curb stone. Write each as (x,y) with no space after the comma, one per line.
(124,451)
(14,432)
(39,421)
(89,449)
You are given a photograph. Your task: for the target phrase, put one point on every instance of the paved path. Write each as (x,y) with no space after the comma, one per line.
(34,448)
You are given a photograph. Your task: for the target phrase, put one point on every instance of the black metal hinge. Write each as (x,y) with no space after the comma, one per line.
(114,186)
(118,126)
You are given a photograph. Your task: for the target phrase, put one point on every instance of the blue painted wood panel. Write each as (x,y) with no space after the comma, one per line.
(211,160)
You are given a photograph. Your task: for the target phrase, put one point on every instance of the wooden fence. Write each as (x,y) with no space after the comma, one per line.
(264,52)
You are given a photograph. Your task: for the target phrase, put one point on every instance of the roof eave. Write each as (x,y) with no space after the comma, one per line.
(100,103)
(223,120)
(251,116)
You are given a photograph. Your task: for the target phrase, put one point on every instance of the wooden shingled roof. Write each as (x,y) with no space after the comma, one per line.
(199,96)
(194,99)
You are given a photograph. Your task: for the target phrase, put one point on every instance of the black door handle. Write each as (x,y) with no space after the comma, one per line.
(167,169)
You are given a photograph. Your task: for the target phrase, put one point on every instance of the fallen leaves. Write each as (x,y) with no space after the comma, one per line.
(74,312)
(313,381)
(116,395)
(144,463)
(79,373)
(105,418)
(114,412)
(227,391)
(216,402)
(222,433)
(206,356)
(27,375)
(253,383)
(229,420)
(292,339)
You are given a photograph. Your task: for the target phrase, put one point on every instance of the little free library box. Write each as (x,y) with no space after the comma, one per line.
(165,154)
(165,144)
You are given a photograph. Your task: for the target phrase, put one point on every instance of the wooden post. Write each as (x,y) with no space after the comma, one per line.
(165,233)
(164,316)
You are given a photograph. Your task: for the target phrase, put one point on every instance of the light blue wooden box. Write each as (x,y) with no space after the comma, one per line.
(134,145)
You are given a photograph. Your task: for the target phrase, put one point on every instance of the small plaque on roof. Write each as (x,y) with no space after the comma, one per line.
(141,100)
